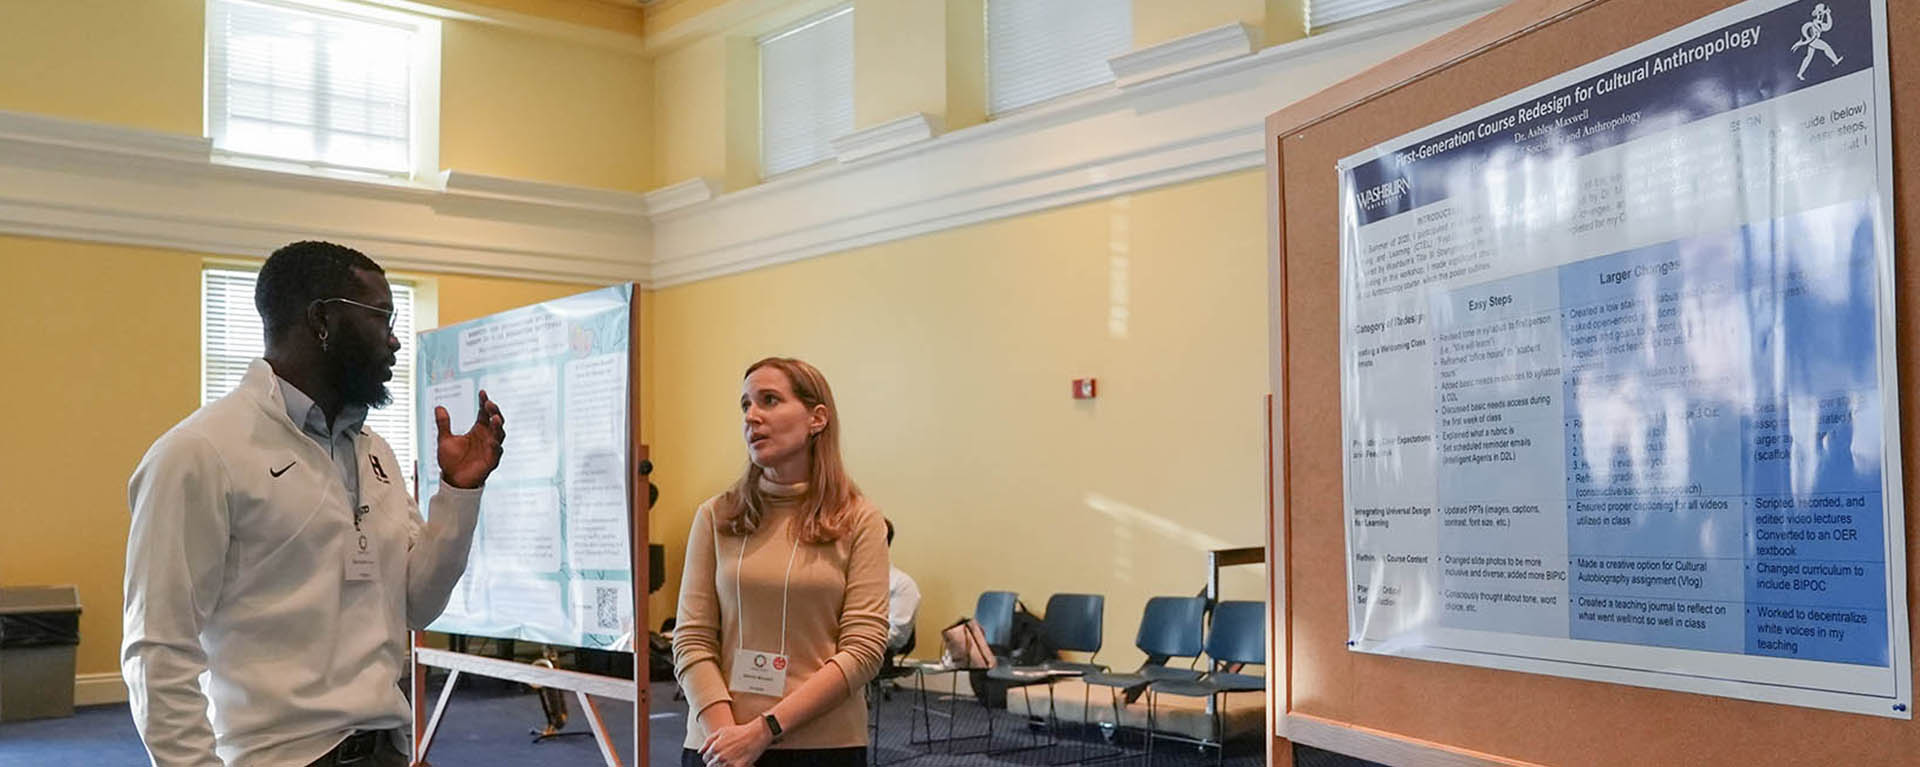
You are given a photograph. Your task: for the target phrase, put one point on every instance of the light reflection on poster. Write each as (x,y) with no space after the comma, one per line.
(550,559)
(1618,371)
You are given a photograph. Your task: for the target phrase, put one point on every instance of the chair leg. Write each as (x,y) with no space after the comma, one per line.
(926,715)
(1152,726)
(1219,733)
(1086,698)
(953,709)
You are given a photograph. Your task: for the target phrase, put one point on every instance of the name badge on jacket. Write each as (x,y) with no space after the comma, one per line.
(361,565)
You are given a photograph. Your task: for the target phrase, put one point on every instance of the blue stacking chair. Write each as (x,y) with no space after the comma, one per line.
(1170,627)
(1074,623)
(993,613)
(1238,637)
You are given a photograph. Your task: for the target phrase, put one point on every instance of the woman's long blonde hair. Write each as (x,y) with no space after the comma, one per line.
(827,510)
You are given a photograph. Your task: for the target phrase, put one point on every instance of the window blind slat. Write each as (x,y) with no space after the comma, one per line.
(1321,13)
(232,337)
(1040,49)
(309,85)
(806,92)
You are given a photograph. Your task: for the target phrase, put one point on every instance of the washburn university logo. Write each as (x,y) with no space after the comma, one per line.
(1810,38)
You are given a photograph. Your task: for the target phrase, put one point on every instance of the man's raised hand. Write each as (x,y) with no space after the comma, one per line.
(467,459)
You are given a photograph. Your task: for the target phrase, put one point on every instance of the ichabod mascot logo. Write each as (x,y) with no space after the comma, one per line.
(1810,38)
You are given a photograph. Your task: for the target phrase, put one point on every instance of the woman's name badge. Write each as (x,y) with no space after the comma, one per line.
(361,565)
(760,673)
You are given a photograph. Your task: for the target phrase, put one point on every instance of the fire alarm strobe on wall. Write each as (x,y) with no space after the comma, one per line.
(1083,388)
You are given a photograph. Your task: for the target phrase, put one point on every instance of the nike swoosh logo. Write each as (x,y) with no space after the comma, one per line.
(283,470)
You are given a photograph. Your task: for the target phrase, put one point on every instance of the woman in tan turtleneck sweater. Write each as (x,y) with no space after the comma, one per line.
(783,605)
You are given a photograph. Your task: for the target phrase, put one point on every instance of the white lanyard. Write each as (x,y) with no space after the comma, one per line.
(786,584)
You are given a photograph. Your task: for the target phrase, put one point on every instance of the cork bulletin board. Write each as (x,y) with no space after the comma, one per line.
(1411,711)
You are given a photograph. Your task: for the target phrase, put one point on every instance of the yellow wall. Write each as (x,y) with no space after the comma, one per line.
(609,16)
(951,355)
(909,56)
(112,342)
(117,362)
(951,352)
(923,56)
(690,112)
(513,103)
(114,366)
(544,109)
(128,62)
(1277,21)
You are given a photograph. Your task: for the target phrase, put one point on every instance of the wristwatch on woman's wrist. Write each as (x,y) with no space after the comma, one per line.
(773,726)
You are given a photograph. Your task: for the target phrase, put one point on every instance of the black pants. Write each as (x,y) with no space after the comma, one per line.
(364,749)
(798,757)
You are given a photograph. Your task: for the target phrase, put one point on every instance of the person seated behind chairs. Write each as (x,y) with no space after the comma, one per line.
(903,605)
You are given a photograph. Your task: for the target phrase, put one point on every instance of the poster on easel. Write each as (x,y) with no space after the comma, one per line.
(550,560)
(1618,371)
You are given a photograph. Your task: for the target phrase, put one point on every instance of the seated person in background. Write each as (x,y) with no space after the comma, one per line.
(905,604)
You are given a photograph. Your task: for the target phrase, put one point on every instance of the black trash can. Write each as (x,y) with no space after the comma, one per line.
(39,628)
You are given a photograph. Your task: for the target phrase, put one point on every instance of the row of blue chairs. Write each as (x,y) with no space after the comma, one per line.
(1171,628)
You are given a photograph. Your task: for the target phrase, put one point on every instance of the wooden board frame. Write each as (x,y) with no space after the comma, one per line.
(1410,712)
(582,685)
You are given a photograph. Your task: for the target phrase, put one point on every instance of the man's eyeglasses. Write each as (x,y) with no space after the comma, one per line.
(369,307)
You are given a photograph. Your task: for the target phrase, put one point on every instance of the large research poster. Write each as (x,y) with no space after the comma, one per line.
(550,559)
(1618,386)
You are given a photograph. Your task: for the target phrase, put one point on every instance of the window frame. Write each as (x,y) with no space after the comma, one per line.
(760,84)
(991,111)
(420,294)
(1384,7)
(423,96)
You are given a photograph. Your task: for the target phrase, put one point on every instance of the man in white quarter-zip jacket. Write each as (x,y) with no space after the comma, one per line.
(275,547)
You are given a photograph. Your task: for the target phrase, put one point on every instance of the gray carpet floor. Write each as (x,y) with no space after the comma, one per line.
(488,724)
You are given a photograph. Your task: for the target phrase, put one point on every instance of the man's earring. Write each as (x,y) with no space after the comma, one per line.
(323,341)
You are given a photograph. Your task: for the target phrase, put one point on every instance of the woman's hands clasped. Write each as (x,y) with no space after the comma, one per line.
(738,746)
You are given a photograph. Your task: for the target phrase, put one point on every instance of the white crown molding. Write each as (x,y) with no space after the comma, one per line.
(887,136)
(1200,122)
(475,185)
(1176,121)
(746,18)
(585,34)
(1197,50)
(98,689)
(82,181)
(692,191)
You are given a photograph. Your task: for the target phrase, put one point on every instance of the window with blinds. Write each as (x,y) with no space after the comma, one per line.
(323,84)
(1040,49)
(806,91)
(231,337)
(1321,13)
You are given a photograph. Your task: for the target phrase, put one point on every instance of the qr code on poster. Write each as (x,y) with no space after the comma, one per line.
(606,608)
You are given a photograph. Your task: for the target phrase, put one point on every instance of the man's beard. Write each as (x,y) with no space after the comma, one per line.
(355,369)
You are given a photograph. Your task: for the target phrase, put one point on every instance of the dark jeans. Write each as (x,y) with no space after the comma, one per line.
(366,748)
(798,757)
